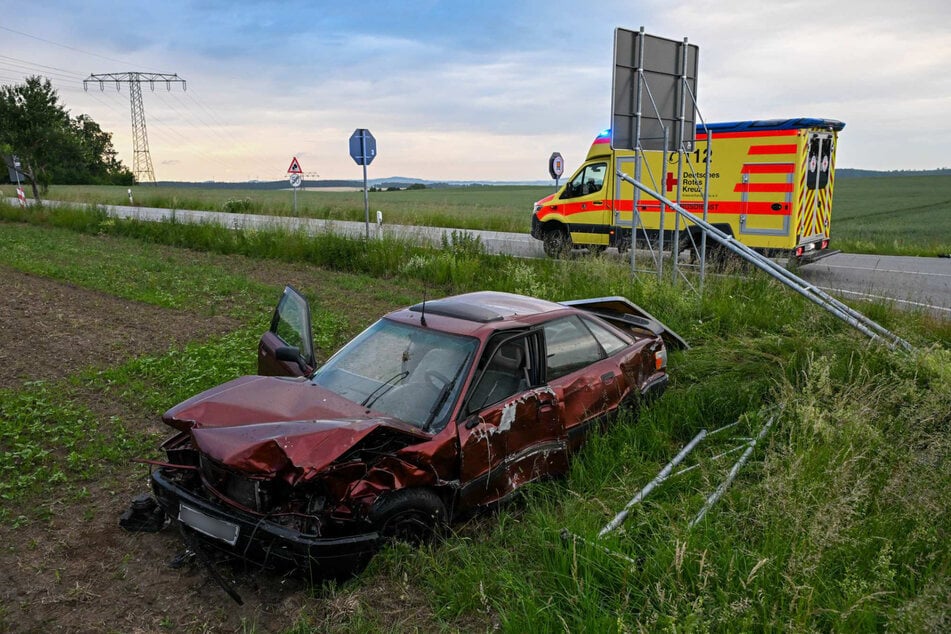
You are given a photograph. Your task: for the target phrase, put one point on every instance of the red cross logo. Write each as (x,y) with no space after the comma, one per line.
(671,181)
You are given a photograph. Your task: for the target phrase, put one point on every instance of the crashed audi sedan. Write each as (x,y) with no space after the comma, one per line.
(435,410)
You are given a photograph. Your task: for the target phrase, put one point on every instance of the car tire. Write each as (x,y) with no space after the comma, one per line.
(414,516)
(556,243)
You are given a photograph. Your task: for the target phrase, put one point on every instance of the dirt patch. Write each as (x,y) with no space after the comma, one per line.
(76,570)
(49,329)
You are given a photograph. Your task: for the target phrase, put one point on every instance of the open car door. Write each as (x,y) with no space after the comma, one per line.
(287,348)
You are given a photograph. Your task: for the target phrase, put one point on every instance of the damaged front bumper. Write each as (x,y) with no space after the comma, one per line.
(257,540)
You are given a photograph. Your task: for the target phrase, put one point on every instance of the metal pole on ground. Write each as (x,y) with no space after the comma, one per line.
(663,475)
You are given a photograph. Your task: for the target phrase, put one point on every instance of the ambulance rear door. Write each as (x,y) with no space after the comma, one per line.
(815,198)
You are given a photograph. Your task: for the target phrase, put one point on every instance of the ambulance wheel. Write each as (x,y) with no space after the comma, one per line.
(557,243)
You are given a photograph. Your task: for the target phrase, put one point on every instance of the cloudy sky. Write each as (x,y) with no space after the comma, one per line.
(474,90)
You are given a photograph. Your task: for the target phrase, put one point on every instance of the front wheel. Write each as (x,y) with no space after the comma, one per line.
(414,516)
(557,243)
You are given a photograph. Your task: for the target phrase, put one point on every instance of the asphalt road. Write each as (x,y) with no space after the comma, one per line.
(909,282)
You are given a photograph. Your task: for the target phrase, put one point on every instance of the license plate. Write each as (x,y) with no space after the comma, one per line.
(213,527)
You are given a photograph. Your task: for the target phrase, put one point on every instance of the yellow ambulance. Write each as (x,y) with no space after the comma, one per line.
(770,187)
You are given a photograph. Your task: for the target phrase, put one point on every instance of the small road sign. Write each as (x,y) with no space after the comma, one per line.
(362,146)
(556,165)
(295,180)
(295,167)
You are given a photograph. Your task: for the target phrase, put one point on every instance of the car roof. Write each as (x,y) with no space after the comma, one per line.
(471,313)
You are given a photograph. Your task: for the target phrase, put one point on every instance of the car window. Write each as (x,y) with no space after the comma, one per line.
(609,340)
(569,346)
(414,374)
(588,181)
(506,372)
(291,322)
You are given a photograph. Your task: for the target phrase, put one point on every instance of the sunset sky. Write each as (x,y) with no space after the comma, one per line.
(473,90)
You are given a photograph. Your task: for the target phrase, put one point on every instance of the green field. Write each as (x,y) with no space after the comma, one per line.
(891,215)
(895,215)
(840,522)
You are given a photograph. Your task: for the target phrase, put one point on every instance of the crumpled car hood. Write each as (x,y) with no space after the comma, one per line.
(265,425)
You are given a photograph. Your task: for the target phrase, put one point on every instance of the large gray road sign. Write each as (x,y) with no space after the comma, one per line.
(669,67)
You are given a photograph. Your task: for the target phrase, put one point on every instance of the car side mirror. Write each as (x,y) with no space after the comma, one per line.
(472,422)
(288,353)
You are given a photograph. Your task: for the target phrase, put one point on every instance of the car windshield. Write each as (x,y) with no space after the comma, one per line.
(414,374)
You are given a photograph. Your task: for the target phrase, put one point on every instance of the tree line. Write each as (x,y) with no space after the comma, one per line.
(51,145)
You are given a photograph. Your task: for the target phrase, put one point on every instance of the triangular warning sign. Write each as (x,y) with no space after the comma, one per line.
(295,167)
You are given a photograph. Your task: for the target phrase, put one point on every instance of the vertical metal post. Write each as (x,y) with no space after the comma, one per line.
(662,208)
(638,153)
(366,195)
(675,247)
(706,203)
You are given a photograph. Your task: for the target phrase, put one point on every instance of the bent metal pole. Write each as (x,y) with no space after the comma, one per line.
(663,475)
(814,294)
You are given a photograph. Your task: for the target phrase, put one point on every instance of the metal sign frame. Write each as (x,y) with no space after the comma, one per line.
(662,73)
(666,70)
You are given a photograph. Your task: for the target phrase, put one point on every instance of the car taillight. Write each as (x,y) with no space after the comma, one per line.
(825,244)
(660,359)
(798,252)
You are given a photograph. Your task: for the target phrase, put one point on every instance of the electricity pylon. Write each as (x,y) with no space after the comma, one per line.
(141,159)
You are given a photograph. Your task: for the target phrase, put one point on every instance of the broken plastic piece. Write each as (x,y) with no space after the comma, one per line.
(143,515)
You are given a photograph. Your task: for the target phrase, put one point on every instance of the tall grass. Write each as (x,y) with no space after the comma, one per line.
(839,522)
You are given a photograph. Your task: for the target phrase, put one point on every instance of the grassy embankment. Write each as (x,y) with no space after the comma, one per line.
(889,215)
(840,522)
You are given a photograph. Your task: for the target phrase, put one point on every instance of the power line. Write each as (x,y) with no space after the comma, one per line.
(71,48)
(16,61)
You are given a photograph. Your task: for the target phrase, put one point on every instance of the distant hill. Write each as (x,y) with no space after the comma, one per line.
(846,172)
(403,181)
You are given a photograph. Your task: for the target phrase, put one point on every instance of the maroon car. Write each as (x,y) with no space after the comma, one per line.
(434,410)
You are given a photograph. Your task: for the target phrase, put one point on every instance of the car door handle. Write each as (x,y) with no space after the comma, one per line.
(607,377)
(597,202)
